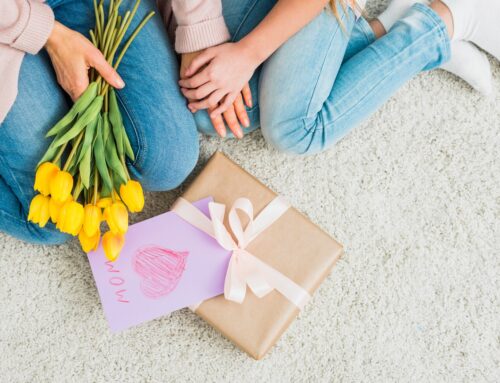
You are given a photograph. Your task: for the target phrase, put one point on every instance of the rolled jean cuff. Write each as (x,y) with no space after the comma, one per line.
(427,15)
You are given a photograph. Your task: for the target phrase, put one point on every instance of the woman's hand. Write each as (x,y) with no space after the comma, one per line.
(72,56)
(234,115)
(217,76)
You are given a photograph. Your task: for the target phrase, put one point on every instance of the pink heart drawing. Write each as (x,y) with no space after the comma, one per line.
(161,269)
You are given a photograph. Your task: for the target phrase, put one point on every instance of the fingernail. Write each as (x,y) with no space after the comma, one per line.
(250,103)
(222,133)
(239,134)
(120,83)
(246,122)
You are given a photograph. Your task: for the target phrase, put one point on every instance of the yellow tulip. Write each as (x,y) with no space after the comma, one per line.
(105,202)
(92,219)
(89,243)
(39,210)
(61,186)
(43,177)
(116,216)
(55,208)
(132,195)
(112,245)
(70,218)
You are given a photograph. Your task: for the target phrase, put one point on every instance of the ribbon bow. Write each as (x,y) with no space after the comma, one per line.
(244,268)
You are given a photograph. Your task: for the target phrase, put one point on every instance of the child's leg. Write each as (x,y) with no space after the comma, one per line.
(315,108)
(38,106)
(361,36)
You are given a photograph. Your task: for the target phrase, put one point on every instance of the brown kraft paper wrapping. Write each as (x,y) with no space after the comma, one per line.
(293,245)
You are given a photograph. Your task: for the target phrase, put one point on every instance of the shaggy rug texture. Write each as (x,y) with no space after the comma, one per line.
(414,196)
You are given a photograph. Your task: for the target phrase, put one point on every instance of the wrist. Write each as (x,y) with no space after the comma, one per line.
(255,55)
(55,36)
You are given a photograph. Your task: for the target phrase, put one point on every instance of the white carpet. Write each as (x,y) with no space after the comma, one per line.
(413,194)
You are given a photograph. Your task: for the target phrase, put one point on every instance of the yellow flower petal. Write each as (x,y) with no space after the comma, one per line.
(112,245)
(116,216)
(39,210)
(92,219)
(132,195)
(43,177)
(89,243)
(61,186)
(70,218)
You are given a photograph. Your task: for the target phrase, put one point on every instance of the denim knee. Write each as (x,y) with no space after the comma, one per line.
(296,137)
(44,236)
(167,166)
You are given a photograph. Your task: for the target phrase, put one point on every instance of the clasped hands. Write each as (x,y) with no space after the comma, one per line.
(216,79)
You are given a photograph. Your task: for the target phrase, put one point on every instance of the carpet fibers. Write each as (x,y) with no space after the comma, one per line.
(413,194)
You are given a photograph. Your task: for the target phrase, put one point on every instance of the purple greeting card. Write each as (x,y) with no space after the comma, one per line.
(165,265)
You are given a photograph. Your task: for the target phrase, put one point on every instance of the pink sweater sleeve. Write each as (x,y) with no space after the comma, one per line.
(25,24)
(200,24)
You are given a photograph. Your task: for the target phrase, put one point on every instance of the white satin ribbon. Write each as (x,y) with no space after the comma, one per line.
(244,268)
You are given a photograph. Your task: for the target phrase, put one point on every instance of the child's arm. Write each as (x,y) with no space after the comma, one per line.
(229,66)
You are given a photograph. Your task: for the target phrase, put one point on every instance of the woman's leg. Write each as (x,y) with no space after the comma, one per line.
(39,104)
(321,106)
(241,17)
(162,131)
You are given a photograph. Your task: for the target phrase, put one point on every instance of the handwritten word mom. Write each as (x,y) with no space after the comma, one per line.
(117,281)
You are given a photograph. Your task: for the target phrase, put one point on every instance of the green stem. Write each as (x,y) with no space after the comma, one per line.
(78,189)
(97,23)
(127,45)
(59,153)
(96,183)
(73,150)
(132,37)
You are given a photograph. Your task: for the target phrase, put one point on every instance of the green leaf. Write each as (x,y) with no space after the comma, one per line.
(78,108)
(113,161)
(115,118)
(89,137)
(100,159)
(85,166)
(105,128)
(126,143)
(86,118)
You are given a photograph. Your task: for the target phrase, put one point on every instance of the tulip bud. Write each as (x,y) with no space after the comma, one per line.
(105,202)
(132,195)
(39,210)
(70,218)
(116,216)
(44,176)
(55,208)
(89,243)
(112,245)
(61,186)
(92,219)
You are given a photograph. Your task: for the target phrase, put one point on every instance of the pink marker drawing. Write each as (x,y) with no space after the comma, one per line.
(160,268)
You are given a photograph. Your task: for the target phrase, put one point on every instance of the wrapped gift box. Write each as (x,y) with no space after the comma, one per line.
(293,245)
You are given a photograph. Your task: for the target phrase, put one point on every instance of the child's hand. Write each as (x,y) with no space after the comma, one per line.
(234,115)
(217,76)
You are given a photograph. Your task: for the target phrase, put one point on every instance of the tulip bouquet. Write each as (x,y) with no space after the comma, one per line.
(82,179)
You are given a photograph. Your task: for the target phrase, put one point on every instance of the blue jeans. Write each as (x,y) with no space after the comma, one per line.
(161,129)
(325,80)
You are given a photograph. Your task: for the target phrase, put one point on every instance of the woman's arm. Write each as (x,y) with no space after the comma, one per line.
(28,25)
(229,66)
(25,24)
